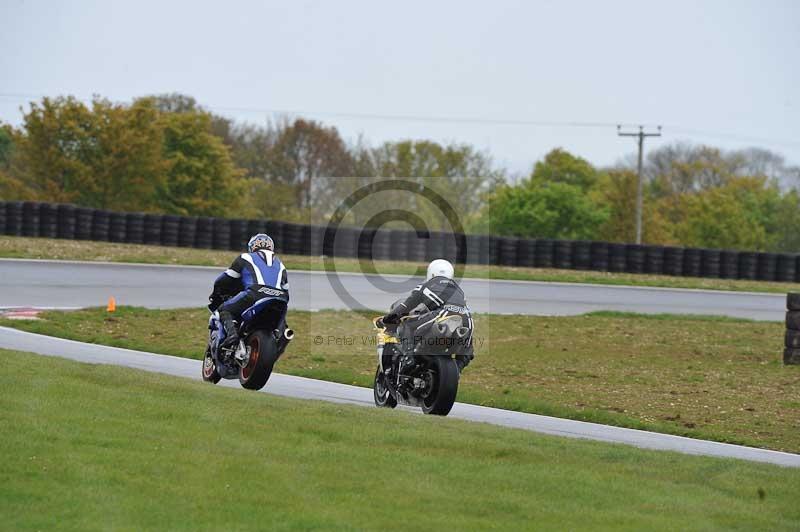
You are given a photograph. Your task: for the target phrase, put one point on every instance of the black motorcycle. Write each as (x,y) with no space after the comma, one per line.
(263,338)
(419,369)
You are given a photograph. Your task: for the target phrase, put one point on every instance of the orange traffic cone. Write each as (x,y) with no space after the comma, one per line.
(112,304)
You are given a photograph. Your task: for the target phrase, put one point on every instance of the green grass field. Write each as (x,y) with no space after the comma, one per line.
(42,248)
(104,448)
(703,377)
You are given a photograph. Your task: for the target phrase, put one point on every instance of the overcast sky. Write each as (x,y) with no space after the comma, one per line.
(505,76)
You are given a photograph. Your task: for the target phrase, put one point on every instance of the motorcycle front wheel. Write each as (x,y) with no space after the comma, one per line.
(263,354)
(380,392)
(442,377)
(210,373)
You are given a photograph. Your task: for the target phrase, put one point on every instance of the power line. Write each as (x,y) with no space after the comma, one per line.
(420,118)
(383,117)
(691,132)
(734,137)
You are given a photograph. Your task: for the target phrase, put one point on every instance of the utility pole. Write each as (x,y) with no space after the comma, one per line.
(641,135)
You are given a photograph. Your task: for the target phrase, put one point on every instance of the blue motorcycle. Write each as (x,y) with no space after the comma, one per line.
(263,335)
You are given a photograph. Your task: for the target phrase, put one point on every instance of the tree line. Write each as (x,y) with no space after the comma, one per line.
(166,153)
(694,196)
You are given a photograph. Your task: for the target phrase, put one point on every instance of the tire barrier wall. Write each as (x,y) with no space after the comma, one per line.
(64,221)
(791,353)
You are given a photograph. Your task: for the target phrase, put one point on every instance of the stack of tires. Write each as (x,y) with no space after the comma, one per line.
(101,224)
(340,242)
(728,264)
(484,246)
(526,253)
(673,261)
(791,354)
(634,258)
(654,260)
(30,218)
(507,251)
(692,260)
(543,250)
(616,257)
(187,231)
(117,231)
(316,237)
(239,235)
(493,250)
(83,223)
(48,220)
(65,214)
(460,243)
(767,266)
(170,230)
(134,228)
(204,233)
(434,248)
(599,256)
(582,255)
(152,229)
(415,247)
(277,231)
(472,244)
(382,245)
(291,242)
(562,254)
(710,260)
(785,268)
(748,265)
(364,247)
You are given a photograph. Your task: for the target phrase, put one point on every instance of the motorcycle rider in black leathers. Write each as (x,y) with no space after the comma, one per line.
(252,276)
(438,293)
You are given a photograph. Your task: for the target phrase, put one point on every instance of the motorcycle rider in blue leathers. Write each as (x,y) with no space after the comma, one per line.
(257,269)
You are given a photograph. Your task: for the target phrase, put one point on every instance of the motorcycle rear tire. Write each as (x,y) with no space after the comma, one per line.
(445,387)
(263,355)
(384,398)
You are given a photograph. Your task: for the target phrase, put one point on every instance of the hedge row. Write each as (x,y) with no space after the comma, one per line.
(80,223)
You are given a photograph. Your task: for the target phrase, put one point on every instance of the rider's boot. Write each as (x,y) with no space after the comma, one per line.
(231,336)
(390,354)
(462,361)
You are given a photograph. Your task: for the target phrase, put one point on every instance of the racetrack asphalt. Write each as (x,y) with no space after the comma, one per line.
(67,284)
(304,388)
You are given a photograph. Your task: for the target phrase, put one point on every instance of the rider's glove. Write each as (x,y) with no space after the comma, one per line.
(390,319)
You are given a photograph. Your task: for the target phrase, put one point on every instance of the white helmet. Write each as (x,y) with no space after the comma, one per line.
(440,268)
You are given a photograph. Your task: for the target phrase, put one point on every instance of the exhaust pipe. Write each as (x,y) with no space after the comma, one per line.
(284,340)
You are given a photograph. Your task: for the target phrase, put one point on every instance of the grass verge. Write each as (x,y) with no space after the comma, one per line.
(99,447)
(42,248)
(705,377)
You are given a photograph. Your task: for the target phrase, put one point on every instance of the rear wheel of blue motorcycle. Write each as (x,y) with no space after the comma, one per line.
(210,373)
(263,354)
(383,398)
(443,374)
